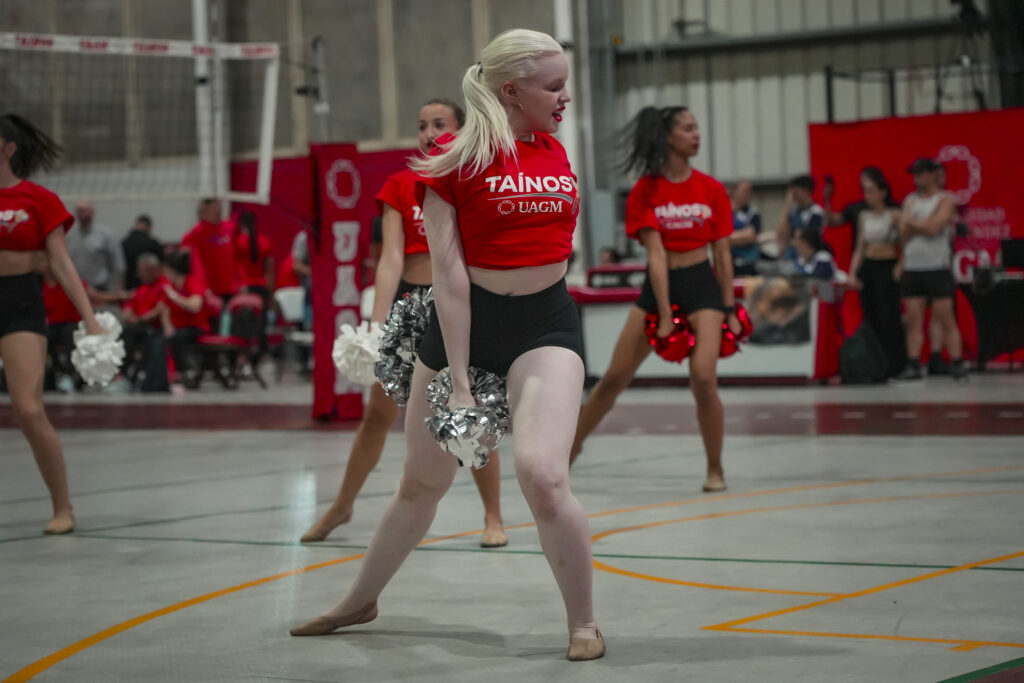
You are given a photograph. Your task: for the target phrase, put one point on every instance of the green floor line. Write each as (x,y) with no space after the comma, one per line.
(513,551)
(987,671)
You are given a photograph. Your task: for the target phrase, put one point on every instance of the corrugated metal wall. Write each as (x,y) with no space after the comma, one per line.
(754,106)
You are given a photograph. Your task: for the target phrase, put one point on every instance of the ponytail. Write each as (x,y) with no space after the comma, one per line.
(487,133)
(35,149)
(645,139)
(247,221)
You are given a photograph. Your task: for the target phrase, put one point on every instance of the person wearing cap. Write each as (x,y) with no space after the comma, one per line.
(926,278)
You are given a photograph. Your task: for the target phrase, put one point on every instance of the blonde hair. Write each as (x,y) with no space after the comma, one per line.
(509,57)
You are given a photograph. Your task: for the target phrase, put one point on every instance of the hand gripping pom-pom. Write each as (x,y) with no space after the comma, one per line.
(356,351)
(404,328)
(675,347)
(469,433)
(731,341)
(98,357)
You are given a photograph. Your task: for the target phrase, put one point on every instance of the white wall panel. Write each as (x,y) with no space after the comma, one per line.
(872,90)
(698,101)
(791,15)
(816,14)
(745,118)
(718,16)
(842,13)
(741,16)
(895,10)
(766,16)
(868,11)
(769,122)
(723,132)
(925,9)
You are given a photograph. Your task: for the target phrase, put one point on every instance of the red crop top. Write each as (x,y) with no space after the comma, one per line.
(28,214)
(399,192)
(689,215)
(514,215)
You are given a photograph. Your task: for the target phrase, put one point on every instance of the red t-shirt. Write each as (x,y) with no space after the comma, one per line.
(688,215)
(399,192)
(28,214)
(213,255)
(179,316)
(514,214)
(59,308)
(286,275)
(146,297)
(248,272)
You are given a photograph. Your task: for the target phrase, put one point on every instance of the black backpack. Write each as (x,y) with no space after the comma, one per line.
(862,359)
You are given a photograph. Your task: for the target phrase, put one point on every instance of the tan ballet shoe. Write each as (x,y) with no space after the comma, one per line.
(325,624)
(325,525)
(60,524)
(494,538)
(716,485)
(585,649)
(315,534)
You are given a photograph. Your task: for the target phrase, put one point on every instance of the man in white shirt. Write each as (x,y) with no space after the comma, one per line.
(95,251)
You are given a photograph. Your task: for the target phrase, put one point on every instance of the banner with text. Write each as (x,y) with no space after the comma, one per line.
(337,273)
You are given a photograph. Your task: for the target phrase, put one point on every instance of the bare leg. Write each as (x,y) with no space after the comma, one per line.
(944,317)
(915,307)
(24,357)
(427,475)
(543,386)
(707,325)
(488,483)
(364,456)
(630,351)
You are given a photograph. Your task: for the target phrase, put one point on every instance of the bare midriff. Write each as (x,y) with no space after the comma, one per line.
(17,262)
(685,259)
(518,281)
(881,251)
(416,269)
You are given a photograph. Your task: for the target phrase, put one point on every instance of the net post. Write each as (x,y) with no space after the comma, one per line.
(267,126)
(204,99)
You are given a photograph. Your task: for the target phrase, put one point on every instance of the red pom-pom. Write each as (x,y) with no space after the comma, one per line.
(730,341)
(675,347)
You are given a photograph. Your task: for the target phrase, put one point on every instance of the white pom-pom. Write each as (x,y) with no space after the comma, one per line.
(97,358)
(355,351)
(111,327)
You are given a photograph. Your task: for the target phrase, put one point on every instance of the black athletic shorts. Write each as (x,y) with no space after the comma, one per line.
(21,304)
(929,284)
(502,328)
(692,289)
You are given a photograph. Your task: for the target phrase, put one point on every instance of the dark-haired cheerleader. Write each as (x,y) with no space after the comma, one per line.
(676,212)
(32,220)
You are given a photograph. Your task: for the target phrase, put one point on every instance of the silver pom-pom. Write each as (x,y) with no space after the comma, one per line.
(404,328)
(469,433)
(355,351)
(98,357)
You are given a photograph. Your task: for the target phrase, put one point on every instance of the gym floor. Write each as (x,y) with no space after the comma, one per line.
(868,534)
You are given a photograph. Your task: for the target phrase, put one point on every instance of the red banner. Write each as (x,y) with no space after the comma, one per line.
(337,272)
(980,151)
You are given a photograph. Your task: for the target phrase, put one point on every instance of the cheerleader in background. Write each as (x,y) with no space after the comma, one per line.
(33,219)
(677,213)
(404,266)
(500,208)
